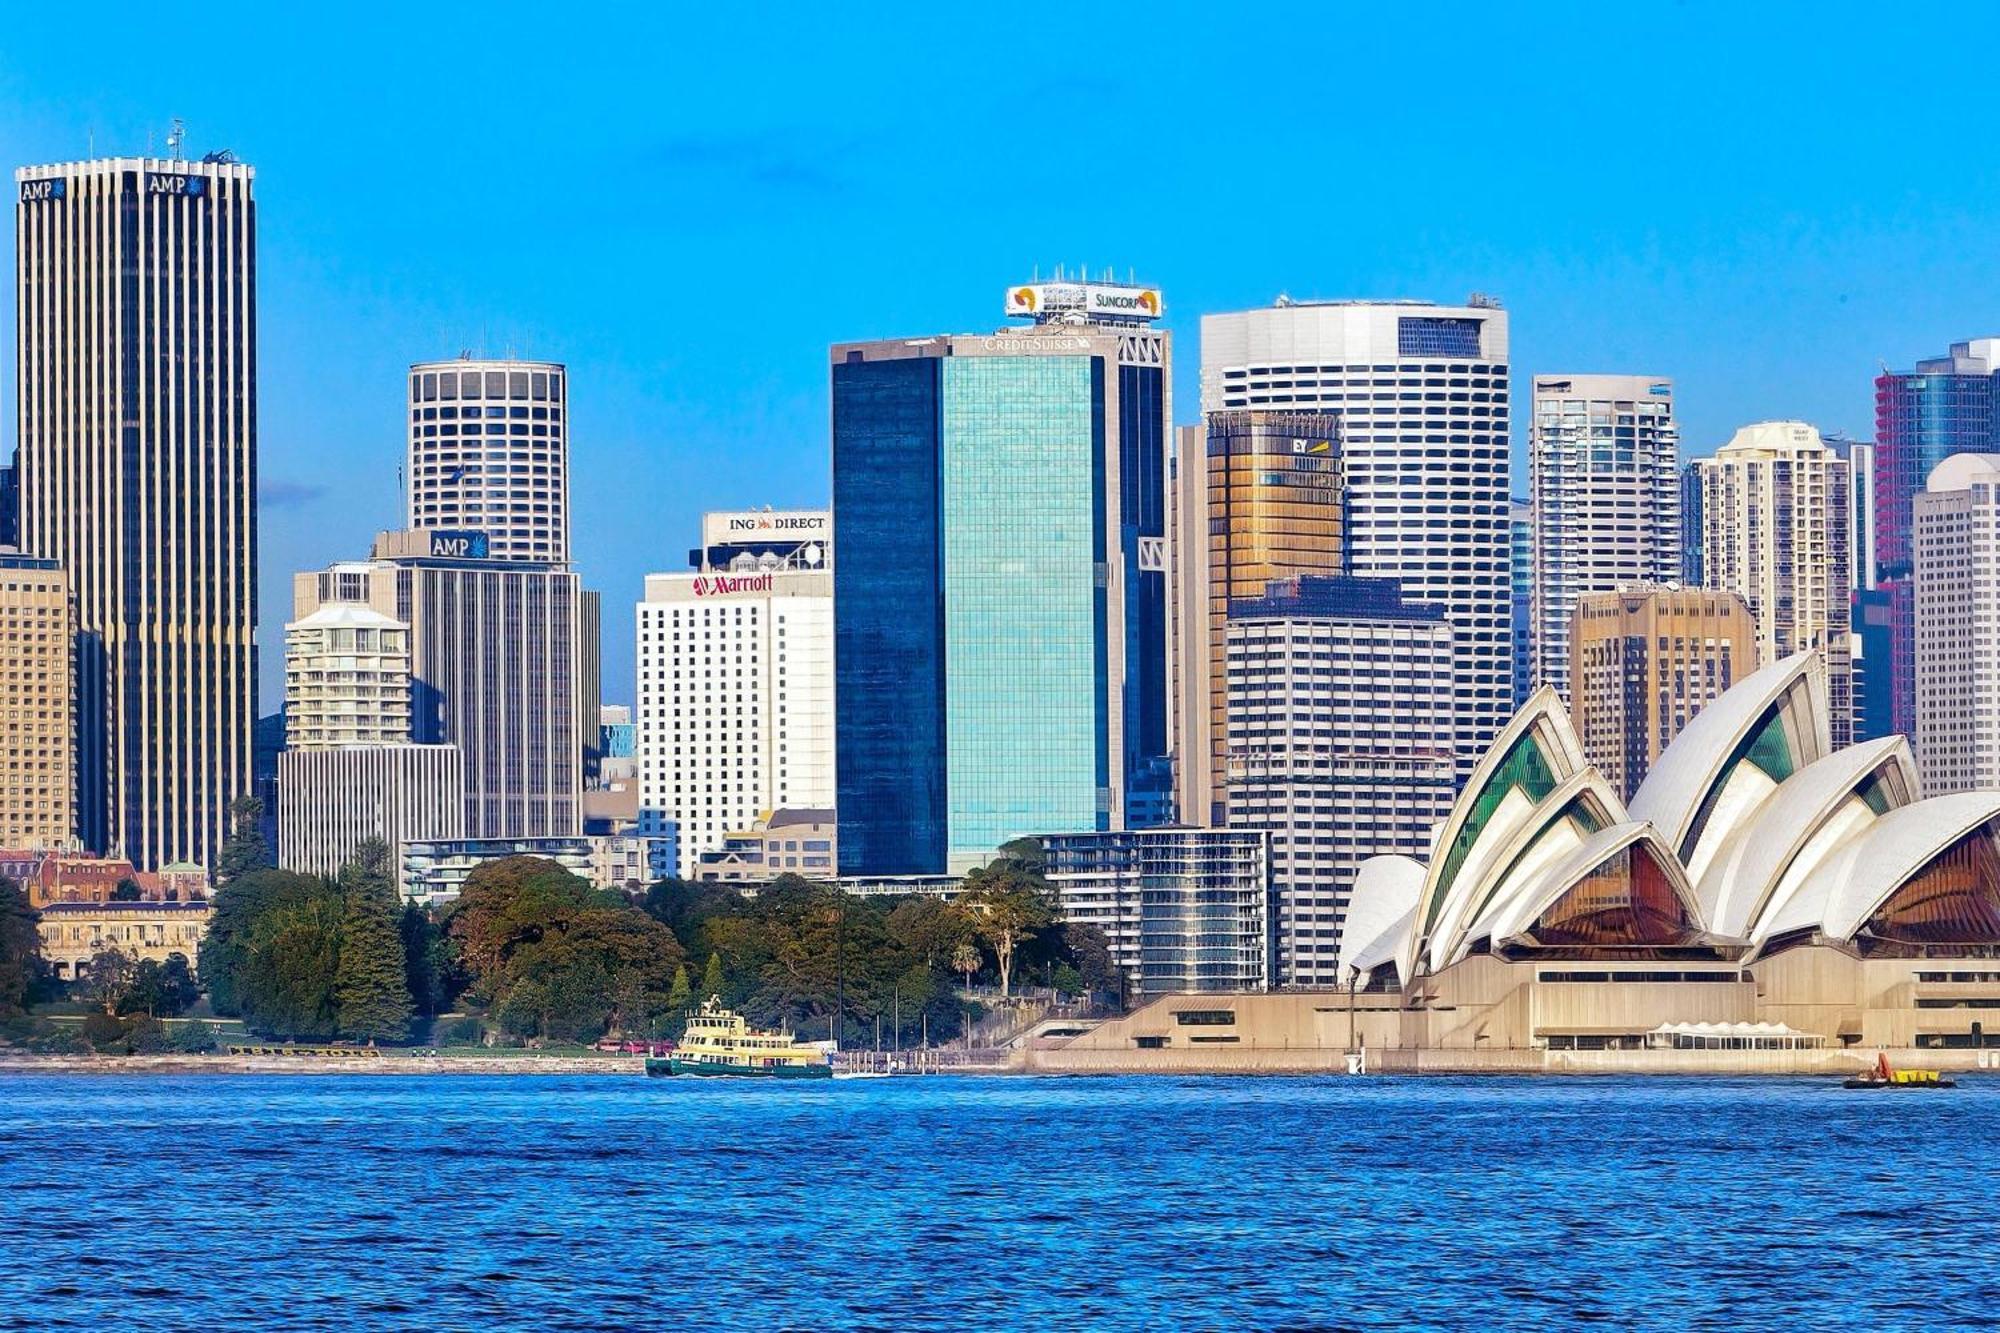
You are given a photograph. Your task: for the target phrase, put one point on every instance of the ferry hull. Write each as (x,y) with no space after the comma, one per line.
(674,1065)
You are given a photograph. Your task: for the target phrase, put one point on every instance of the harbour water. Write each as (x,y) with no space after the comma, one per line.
(308,1201)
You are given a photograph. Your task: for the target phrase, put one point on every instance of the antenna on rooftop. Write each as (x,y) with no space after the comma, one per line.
(175,138)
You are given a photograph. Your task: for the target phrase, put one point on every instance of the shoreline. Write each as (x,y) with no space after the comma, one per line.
(390,1065)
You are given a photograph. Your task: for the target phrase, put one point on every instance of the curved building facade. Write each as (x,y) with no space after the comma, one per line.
(489,453)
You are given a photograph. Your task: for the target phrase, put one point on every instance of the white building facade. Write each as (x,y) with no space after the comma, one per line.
(347,678)
(1423,395)
(1955,548)
(489,454)
(735,697)
(1775,531)
(1603,469)
(331,799)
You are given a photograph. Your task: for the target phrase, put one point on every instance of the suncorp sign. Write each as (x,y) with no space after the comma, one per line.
(1051,300)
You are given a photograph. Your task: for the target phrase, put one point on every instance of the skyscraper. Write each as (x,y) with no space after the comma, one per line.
(1775,530)
(489,453)
(1341,706)
(37,705)
(1267,504)
(1923,416)
(1955,565)
(1000,598)
(1604,475)
(137,314)
(1643,662)
(735,717)
(1422,394)
(495,661)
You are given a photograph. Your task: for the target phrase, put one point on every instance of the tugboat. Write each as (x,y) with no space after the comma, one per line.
(1881,1076)
(722,1044)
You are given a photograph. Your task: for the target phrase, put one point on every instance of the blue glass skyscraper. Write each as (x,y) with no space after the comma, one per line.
(1000,606)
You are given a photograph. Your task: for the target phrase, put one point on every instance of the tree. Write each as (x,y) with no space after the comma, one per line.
(127,890)
(1004,903)
(965,959)
(371,981)
(711,977)
(20,949)
(106,978)
(557,958)
(1026,853)
(286,984)
(1090,954)
(224,954)
(424,963)
(159,990)
(245,851)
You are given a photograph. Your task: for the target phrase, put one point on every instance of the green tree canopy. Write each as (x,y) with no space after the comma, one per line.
(225,950)
(1004,904)
(286,984)
(159,990)
(371,981)
(20,949)
(556,958)
(245,850)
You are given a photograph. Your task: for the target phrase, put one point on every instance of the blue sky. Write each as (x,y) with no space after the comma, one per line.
(1763,202)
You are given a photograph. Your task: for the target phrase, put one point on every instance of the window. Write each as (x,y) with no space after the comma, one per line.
(1205,1017)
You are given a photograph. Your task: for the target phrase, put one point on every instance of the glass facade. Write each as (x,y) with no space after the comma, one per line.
(889,731)
(1025,617)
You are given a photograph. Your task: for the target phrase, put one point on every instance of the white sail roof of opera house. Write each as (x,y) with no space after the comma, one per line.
(1869,869)
(1721,765)
(1537,749)
(1798,824)
(1750,832)
(1386,889)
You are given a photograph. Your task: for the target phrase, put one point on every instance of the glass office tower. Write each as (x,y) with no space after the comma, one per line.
(1922,417)
(1000,604)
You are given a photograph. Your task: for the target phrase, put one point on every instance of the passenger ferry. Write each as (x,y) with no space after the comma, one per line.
(720,1043)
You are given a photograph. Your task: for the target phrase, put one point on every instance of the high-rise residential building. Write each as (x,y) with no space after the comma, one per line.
(1604,475)
(136,316)
(1774,531)
(1000,600)
(347,678)
(1955,566)
(496,654)
(1342,703)
(1645,660)
(37,705)
(735,713)
(1944,406)
(489,454)
(1183,910)
(1267,504)
(349,770)
(1521,594)
(1422,394)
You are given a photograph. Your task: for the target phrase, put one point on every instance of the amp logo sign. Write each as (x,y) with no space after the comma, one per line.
(458,545)
(35,192)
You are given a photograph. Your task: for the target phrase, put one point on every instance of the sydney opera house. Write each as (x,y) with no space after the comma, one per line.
(1763,893)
